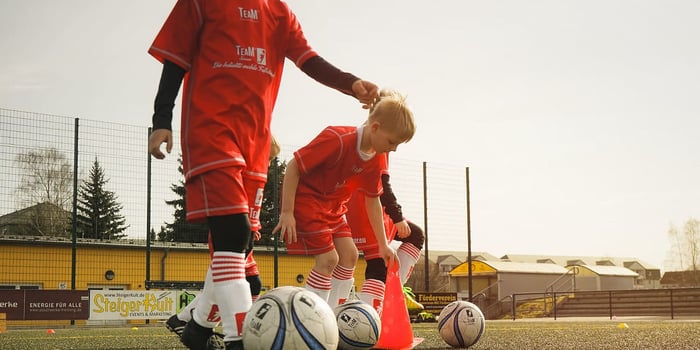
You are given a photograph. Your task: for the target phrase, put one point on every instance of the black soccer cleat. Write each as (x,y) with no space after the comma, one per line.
(175,325)
(196,337)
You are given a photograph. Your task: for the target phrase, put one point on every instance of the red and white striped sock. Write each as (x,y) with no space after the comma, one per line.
(408,256)
(231,291)
(341,283)
(319,284)
(373,293)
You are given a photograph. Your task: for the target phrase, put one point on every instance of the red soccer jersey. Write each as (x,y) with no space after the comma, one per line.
(233,52)
(332,169)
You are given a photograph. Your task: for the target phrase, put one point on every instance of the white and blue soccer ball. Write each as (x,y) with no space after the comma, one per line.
(359,325)
(290,318)
(461,324)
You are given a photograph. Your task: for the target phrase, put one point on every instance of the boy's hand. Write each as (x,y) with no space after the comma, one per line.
(402,229)
(388,254)
(287,227)
(158,137)
(365,91)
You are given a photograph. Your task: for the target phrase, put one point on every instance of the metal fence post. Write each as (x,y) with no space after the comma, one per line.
(148,211)
(74,226)
(425,227)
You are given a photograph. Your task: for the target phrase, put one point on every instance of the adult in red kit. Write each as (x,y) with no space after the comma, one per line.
(231,56)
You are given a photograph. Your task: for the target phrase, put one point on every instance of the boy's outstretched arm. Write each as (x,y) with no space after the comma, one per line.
(393,208)
(375,215)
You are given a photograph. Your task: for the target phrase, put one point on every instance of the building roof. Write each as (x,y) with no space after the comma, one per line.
(681,278)
(24,216)
(438,255)
(583,260)
(602,270)
(513,267)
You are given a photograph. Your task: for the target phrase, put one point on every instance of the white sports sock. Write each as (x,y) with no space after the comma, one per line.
(373,293)
(206,313)
(319,284)
(341,283)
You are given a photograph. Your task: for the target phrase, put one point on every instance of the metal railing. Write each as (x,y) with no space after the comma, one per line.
(670,303)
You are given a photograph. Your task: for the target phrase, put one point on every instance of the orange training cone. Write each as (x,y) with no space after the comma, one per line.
(396,325)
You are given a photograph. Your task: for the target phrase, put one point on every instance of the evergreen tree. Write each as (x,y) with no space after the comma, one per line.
(180,230)
(98,210)
(269,213)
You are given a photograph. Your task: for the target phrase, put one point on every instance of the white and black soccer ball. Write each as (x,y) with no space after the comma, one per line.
(290,318)
(461,324)
(359,325)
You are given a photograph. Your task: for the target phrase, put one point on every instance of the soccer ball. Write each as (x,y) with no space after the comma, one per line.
(461,324)
(359,325)
(290,318)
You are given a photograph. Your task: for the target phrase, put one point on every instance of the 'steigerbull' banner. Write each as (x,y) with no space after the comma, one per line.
(137,304)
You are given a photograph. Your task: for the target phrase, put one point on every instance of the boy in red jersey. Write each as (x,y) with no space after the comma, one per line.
(321,178)
(230,55)
(397,228)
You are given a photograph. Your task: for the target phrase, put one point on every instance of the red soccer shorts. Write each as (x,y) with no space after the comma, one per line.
(315,235)
(224,191)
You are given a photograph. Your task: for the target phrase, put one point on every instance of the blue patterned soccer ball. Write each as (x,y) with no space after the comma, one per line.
(290,318)
(461,324)
(359,325)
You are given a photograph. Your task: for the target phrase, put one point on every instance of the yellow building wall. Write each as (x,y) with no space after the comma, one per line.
(584,272)
(48,266)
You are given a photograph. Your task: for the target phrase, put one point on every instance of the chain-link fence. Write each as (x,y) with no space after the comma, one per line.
(49,164)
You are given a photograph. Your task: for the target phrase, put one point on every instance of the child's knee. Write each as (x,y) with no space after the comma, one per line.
(325,263)
(348,257)
(347,252)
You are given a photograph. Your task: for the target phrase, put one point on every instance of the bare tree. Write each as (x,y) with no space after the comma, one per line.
(676,246)
(686,243)
(46,178)
(438,281)
(691,233)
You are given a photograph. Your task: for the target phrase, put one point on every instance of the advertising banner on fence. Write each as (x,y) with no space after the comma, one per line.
(41,304)
(12,304)
(434,302)
(137,304)
(38,304)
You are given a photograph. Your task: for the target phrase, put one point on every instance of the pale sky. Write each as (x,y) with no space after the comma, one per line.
(579,120)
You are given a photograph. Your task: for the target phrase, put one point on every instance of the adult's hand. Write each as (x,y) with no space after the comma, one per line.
(158,137)
(366,92)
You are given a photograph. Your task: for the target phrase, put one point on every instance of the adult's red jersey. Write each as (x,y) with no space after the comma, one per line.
(332,168)
(233,52)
